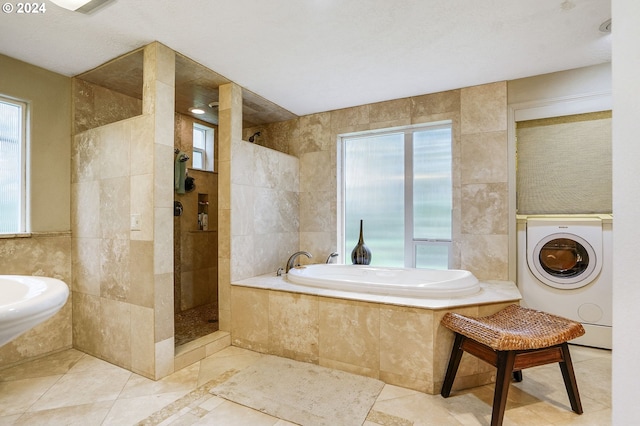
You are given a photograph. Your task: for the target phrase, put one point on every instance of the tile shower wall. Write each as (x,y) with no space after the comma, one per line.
(196,251)
(479,117)
(123,278)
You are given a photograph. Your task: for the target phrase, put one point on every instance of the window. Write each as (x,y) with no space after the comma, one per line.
(400,183)
(12,166)
(202,147)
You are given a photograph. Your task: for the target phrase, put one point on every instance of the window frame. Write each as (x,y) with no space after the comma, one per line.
(23,204)
(208,152)
(411,244)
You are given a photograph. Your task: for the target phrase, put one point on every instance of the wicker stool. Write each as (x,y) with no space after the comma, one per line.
(513,339)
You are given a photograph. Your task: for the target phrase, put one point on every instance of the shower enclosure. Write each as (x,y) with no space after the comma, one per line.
(195,240)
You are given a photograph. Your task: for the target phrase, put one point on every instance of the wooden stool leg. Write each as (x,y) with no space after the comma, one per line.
(566,366)
(517,376)
(454,363)
(506,360)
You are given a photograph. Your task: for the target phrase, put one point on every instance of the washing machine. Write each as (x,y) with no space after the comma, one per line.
(565,268)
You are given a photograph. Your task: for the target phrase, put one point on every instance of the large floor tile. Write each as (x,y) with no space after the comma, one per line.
(72,388)
(51,365)
(129,411)
(17,396)
(77,415)
(83,388)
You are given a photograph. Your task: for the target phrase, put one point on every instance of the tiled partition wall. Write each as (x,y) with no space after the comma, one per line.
(479,116)
(265,224)
(123,278)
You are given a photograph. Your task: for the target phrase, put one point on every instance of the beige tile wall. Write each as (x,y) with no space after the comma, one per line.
(479,117)
(123,278)
(95,106)
(46,254)
(229,132)
(265,205)
(399,345)
(195,250)
(402,346)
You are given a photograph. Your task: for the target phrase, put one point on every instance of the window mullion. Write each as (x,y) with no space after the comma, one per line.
(409,252)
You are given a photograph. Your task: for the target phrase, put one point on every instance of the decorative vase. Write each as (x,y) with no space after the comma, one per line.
(361,255)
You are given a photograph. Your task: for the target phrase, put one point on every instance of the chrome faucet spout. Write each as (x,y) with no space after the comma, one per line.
(331,257)
(294,256)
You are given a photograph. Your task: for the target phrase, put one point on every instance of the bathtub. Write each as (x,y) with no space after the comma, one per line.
(403,282)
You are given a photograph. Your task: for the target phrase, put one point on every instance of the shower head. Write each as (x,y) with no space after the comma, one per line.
(253,137)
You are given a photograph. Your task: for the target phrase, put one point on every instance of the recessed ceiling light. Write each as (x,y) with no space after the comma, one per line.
(605,27)
(84,6)
(198,111)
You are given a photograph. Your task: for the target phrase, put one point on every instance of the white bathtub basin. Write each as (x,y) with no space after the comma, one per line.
(26,301)
(409,282)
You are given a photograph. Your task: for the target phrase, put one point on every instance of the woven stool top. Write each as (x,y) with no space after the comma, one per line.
(515,328)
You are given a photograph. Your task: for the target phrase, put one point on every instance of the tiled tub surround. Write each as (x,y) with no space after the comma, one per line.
(404,344)
(397,340)
(480,169)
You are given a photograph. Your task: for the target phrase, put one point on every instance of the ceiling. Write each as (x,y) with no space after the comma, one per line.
(310,56)
(196,87)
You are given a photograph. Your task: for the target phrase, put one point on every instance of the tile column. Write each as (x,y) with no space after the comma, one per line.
(159,103)
(229,130)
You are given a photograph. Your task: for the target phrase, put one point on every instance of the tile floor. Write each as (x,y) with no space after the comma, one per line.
(73,388)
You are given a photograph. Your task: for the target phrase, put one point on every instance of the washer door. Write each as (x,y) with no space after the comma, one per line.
(564,261)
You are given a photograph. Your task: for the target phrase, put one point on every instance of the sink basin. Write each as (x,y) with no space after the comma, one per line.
(26,301)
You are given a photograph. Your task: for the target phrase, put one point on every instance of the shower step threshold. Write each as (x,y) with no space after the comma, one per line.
(200,348)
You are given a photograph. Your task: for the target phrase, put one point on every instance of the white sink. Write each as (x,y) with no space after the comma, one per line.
(26,301)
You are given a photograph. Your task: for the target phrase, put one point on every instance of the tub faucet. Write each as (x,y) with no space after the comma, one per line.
(331,256)
(294,256)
